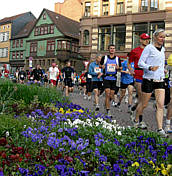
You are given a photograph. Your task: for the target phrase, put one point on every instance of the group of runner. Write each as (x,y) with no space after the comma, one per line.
(143,70)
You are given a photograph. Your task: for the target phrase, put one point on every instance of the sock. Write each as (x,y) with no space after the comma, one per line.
(119,104)
(167,122)
(133,108)
(159,130)
(107,110)
(140,118)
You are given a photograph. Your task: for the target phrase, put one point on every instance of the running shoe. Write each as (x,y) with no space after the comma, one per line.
(162,133)
(142,125)
(89,97)
(168,129)
(97,108)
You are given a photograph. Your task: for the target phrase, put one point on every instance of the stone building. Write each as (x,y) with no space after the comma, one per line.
(121,22)
(69,8)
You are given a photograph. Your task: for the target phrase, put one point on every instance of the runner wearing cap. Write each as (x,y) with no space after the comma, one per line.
(134,56)
(152,61)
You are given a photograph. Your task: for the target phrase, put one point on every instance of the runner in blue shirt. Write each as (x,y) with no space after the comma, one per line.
(127,82)
(97,82)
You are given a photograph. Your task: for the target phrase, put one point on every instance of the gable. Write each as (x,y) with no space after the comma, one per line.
(44,21)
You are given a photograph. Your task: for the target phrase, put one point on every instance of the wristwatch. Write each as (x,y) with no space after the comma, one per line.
(150,68)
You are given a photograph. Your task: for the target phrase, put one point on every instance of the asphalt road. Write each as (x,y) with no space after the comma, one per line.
(123,117)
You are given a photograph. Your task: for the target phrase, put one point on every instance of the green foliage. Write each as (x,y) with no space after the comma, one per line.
(23,95)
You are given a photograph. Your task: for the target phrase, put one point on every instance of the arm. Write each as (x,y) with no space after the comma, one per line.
(91,70)
(142,61)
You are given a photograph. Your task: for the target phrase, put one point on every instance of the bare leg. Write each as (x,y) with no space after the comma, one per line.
(142,105)
(159,95)
(130,94)
(107,98)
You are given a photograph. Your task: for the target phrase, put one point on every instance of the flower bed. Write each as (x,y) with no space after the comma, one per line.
(70,140)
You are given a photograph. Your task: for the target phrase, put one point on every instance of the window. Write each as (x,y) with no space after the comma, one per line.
(59,45)
(41,30)
(104,37)
(149,28)
(68,46)
(119,33)
(46,30)
(87,9)
(86,37)
(144,5)
(21,43)
(148,5)
(3,52)
(4,36)
(33,47)
(52,29)
(13,43)
(21,54)
(120,7)
(17,54)
(51,45)
(154,5)
(63,45)
(36,31)
(17,43)
(13,55)
(138,29)
(44,16)
(105,7)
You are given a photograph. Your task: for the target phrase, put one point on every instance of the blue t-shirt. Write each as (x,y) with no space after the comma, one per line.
(94,69)
(125,77)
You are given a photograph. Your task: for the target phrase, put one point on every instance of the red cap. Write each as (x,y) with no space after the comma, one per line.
(144,36)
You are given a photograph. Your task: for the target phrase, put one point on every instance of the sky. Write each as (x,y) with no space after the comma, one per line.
(10,8)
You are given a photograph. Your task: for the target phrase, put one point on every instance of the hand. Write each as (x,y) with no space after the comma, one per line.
(154,68)
(99,75)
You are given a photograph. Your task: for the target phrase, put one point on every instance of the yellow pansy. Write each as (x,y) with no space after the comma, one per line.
(169,166)
(61,110)
(152,163)
(135,164)
(162,166)
(164,172)
(157,169)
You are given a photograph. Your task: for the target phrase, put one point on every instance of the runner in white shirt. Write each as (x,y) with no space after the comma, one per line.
(53,73)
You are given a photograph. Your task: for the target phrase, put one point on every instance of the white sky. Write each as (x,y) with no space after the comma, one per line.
(10,8)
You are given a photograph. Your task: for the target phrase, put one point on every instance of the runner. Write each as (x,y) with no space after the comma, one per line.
(67,74)
(37,74)
(53,73)
(22,75)
(96,72)
(127,82)
(152,61)
(138,72)
(83,84)
(110,63)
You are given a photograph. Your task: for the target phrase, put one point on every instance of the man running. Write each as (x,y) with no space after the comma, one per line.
(134,56)
(67,74)
(22,76)
(37,74)
(96,72)
(110,63)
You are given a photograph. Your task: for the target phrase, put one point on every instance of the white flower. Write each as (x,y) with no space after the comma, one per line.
(7,133)
(24,126)
(114,121)
(97,123)
(119,133)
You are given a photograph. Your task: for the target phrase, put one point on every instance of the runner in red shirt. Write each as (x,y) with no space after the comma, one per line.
(134,56)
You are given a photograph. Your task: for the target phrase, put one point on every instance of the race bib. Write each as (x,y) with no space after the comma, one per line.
(22,76)
(89,76)
(97,70)
(111,67)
